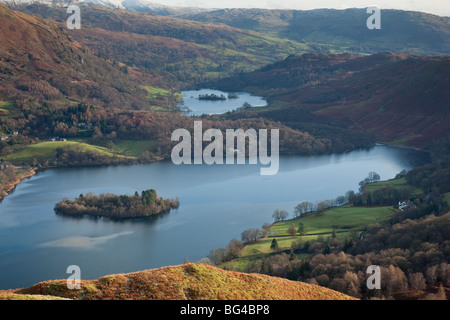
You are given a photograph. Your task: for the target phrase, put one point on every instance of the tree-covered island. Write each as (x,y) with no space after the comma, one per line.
(146,204)
(211,96)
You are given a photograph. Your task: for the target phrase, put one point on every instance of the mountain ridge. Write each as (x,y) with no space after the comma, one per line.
(170,48)
(401,31)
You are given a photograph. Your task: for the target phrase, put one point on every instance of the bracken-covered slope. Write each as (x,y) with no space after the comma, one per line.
(191,281)
(39,60)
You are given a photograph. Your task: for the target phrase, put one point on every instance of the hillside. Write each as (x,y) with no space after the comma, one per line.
(175,52)
(54,87)
(332,243)
(399,98)
(185,282)
(40,61)
(343,30)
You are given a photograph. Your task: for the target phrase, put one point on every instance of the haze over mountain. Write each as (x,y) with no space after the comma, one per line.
(343,30)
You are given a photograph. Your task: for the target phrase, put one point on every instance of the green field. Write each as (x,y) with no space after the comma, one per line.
(134,148)
(8,110)
(44,151)
(343,220)
(162,99)
(397,183)
(157,92)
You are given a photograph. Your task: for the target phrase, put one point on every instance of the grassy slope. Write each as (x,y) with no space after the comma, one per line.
(9,295)
(343,220)
(8,110)
(184,282)
(162,99)
(397,183)
(44,151)
(134,148)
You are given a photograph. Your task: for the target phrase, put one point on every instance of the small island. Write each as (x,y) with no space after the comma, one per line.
(212,97)
(146,204)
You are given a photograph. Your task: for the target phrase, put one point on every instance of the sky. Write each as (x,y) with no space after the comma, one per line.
(438,7)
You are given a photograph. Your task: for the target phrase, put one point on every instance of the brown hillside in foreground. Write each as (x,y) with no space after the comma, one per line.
(184,282)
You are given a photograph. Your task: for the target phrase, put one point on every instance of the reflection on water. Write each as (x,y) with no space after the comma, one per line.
(217,203)
(82,242)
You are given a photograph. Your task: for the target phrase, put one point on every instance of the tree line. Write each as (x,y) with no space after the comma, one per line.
(413,255)
(103,126)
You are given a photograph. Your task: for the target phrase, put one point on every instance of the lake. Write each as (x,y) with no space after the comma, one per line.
(217,203)
(198,107)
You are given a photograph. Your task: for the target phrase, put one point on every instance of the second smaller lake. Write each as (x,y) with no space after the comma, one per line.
(196,107)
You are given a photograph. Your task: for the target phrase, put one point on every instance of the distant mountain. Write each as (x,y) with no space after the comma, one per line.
(323,30)
(343,30)
(148,6)
(135,5)
(192,281)
(159,9)
(174,51)
(398,98)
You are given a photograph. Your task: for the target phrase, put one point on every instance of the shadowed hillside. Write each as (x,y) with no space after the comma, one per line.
(399,98)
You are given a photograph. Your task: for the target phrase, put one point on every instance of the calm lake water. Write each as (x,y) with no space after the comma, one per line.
(217,203)
(198,107)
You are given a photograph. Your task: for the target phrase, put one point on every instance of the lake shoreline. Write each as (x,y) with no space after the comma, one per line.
(10,187)
(218,203)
